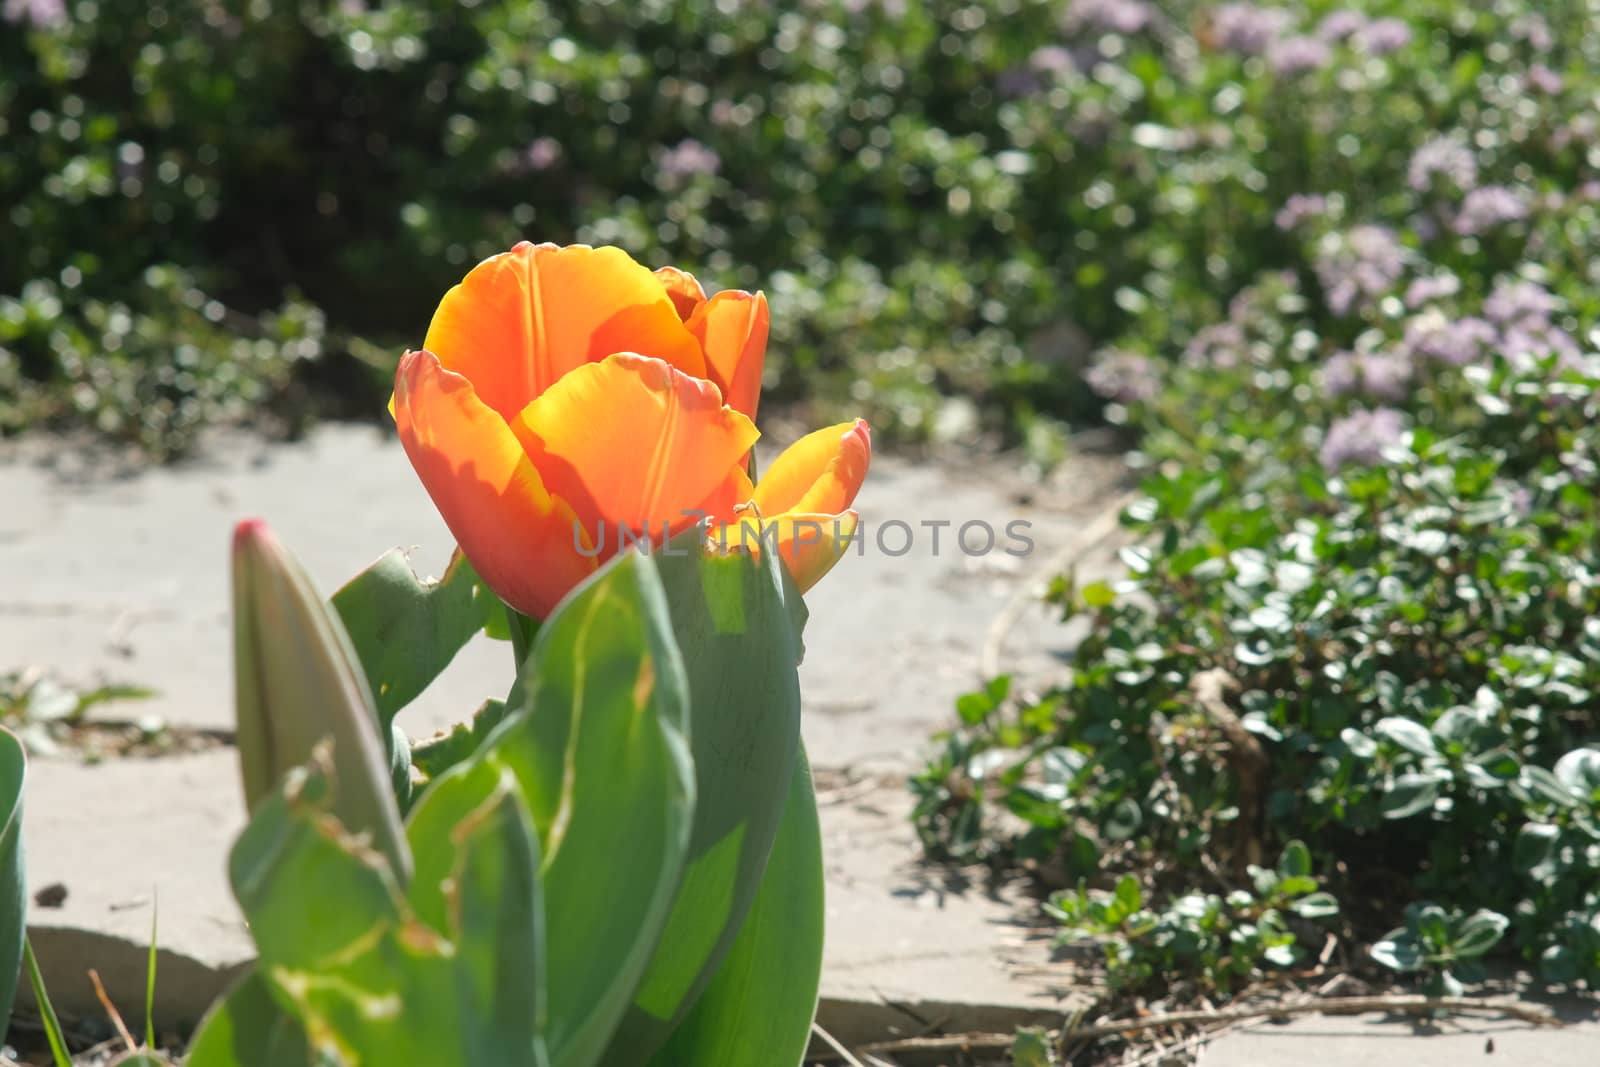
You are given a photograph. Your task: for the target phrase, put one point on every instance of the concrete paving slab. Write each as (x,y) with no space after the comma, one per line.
(1381,1040)
(913,950)
(124,841)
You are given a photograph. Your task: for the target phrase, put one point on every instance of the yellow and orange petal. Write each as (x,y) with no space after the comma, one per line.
(820,473)
(521,320)
(683,288)
(732,330)
(810,544)
(633,440)
(519,536)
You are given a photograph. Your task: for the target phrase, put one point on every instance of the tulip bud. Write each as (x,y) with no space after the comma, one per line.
(297,683)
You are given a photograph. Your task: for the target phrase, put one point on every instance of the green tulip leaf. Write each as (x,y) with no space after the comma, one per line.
(443,976)
(596,737)
(13,897)
(758,1009)
(406,630)
(738,623)
(247,1027)
(435,755)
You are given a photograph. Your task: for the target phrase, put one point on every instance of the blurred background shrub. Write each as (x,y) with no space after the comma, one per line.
(223,208)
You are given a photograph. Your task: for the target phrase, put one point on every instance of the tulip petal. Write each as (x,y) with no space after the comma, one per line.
(684,288)
(517,535)
(520,320)
(810,543)
(631,440)
(732,329)
(821,472)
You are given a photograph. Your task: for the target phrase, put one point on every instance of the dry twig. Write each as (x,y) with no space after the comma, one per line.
(1405,1004)
(111,1010)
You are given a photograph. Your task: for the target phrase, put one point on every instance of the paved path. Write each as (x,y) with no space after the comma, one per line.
(124,579)
(1377,1040)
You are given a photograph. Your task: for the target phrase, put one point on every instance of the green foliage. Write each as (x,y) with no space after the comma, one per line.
(1223,942)
(942,198)
(1360,598)
(1413,644)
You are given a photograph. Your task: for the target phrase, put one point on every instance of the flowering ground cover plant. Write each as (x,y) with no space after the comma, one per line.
(955,201)
(619,863)
(1362,607)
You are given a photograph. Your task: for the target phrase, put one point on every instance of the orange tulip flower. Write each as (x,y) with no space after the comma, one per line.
(569,400)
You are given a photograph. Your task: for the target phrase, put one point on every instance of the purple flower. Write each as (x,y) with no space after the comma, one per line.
(1358,266)
(1051,59)
(1299,209)
(1247,29)
(542,153)
(1442,157)
(1542,79)
(1519,301)
(1219,346)
(1534,30)
(1426,290)
(1361,437)
(1382,36)
(1126,377)
(1454,342)
(44,14)
(1298,55)
(689,158)
(1487,207)
(1341,24)
(1114,16)
(1525,342)
(1380,375)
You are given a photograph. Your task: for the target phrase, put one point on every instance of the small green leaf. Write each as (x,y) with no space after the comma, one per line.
(1535,846)
(1546,786)
(1295,861)
(1032,1048)
(1316,906)
(1398,951)
(1125,819)
(1479,932)
(1098,595)
(1409,735)
(1409,795)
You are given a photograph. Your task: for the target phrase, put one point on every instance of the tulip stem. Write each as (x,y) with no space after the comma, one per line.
(522,630)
